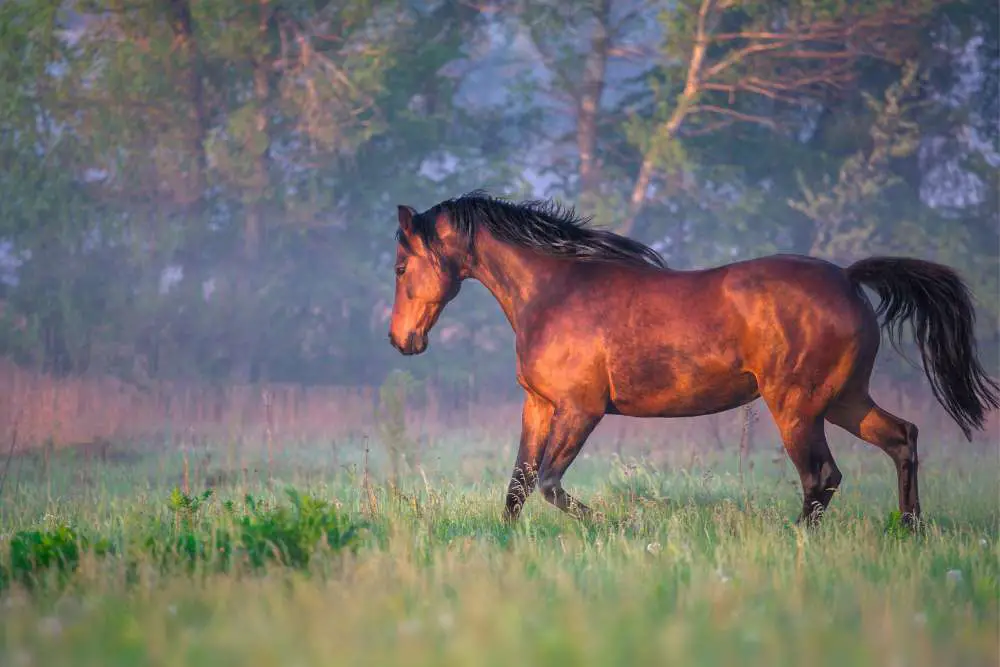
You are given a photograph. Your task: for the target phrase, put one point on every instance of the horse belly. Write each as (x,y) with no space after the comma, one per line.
(679,390)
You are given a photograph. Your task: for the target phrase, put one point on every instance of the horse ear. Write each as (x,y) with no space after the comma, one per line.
(406,214)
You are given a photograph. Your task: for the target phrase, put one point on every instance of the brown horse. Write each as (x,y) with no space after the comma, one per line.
(602,326)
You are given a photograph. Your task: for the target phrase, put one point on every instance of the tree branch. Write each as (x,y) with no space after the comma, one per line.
(740,55)
(591,90)
(709,128)
(732,113)
(789,66)
(744,86)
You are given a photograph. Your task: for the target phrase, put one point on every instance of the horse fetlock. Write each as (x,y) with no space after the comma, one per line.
(812,512)
(516,496)
(912,519)
(830,477)
(549,486)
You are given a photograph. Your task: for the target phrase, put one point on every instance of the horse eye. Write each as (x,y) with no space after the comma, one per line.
(401,269)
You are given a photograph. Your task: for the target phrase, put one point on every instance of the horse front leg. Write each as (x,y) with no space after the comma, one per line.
(536,417)
(568,431)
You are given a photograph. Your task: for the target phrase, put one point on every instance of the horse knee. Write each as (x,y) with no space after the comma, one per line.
(904,450)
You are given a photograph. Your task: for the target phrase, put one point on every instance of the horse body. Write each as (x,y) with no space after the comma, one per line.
(710,364)
(602,326)
(597,335)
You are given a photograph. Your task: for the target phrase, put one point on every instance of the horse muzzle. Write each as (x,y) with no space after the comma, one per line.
(414,344)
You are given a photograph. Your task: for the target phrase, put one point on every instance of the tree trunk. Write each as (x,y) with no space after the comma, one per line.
(253,225)
(253,221)
(182,25)
(590,99)
(667,132)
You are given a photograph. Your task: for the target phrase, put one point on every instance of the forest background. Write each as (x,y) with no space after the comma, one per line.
(202,194)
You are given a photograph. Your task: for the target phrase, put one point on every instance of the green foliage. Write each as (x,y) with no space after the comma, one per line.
(713,576)
(33,551)
(846,212)
(289,535)
(255,534)
(33,554)
(897,528)
(200,536)
(186,507)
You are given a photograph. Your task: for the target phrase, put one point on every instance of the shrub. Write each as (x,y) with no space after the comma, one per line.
(287,535)
(33,553)
(290,534)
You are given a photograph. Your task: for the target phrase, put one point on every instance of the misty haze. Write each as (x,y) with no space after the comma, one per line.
(222,222)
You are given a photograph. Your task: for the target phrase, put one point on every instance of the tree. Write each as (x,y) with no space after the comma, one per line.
(584,50)
(729,62)
(845,212)
(196,190)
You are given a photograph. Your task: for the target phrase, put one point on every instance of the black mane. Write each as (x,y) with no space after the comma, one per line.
(545,226)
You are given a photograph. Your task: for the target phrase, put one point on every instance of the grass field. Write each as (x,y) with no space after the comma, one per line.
(689,567)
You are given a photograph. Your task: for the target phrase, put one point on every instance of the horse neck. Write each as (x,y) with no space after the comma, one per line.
(512,275)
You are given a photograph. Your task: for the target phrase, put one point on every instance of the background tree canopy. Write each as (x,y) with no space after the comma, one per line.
(207,190)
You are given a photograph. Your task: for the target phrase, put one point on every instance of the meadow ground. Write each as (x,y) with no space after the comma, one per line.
(690,567)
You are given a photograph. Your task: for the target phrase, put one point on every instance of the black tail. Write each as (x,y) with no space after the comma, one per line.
(938,305)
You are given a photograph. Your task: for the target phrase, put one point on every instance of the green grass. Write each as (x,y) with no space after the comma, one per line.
(689,567)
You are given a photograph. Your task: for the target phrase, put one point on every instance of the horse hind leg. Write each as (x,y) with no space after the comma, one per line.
(859,415)
(805,442)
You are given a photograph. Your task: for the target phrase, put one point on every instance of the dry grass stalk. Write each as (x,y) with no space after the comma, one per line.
(746,437)
(366,486)
(80,411)
(10,457)
(269,433)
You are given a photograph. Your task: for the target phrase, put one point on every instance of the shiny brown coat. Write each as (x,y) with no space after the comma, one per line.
(603,327)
